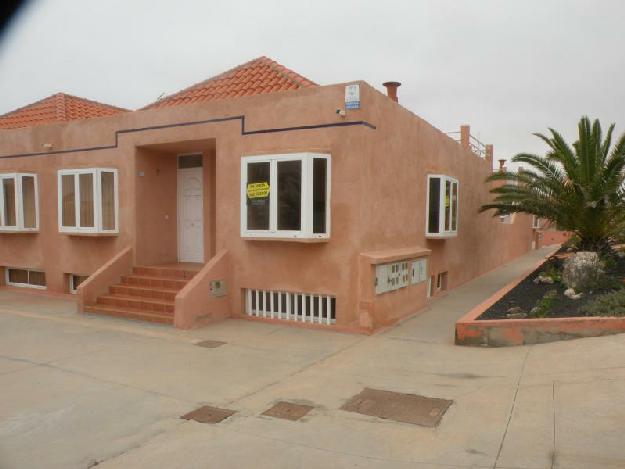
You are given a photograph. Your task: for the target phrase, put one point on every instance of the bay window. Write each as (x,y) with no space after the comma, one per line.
(442,207)
(19,204)
(88,201)
(285,196)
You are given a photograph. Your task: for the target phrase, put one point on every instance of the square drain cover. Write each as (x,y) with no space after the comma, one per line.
(288,410)
(208,414)
(407,408)
(210,343)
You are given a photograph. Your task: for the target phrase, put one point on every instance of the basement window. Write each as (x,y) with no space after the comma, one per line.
(88,201)
(75,281)
(19,202)
(285,196)
(442,207)
(25,278)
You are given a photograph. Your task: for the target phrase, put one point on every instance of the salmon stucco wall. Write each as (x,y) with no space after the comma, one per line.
(108,274)
(156,211)
(402,151)
(56,253)
(196,305)
(551,237)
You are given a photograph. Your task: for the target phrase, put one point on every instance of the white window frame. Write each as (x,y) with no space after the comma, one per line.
(22,285)
(72,288)
(306,231)
(97,200)
(535,222)
(442,232)
(19,203)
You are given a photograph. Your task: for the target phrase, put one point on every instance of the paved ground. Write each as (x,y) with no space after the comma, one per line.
(79,391)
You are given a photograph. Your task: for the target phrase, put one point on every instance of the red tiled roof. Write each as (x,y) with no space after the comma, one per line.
(258,76)
(59,107)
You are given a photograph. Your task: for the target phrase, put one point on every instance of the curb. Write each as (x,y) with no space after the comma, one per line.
(510,332)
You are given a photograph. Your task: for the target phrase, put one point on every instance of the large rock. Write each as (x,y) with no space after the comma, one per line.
(570,293)
(582,271)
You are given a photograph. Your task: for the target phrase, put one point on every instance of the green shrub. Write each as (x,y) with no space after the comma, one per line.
(604,283)
(573,242)
(608,304)
(543,306)
(609,261)
(553,272)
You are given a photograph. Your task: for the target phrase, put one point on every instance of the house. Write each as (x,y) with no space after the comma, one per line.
(255,194)
(546,233)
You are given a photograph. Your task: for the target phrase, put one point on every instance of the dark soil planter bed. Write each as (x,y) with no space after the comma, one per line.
(527,293)
(500,321)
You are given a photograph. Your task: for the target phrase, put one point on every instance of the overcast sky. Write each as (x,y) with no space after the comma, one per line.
(506,68)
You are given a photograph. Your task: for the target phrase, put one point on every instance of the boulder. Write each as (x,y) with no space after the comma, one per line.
(582,270)
(543,279)
(516,312)
(570,293)
(516,315)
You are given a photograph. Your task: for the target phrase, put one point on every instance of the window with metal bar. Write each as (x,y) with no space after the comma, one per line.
(290,306)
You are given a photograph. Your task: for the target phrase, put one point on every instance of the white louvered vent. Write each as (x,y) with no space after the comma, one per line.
(302,307)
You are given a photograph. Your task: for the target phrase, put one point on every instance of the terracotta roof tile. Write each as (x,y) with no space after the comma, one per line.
(59,107)
(258,76)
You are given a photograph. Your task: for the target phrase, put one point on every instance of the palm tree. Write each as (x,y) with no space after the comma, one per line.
(579,187)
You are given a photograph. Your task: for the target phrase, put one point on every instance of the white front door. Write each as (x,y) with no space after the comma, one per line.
(190,215)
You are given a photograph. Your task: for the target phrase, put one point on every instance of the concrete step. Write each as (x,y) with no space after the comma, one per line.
(143,292)
(154,282)
(130,313)
(174,272)
(139,303)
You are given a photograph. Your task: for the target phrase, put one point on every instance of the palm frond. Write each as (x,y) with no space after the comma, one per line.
(580,187)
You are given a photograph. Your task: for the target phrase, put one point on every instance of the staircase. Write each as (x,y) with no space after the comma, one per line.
(147,294)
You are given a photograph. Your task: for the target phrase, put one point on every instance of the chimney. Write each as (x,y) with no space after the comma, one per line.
(489,155)
(502,163)
(465,136)
(391,89)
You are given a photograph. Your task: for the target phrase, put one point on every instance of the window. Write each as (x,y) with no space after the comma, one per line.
(18,202)
(88,201)
(535,222)
(441,281)
(75,281)
(442,207)
(285,196)
(190,161)
(25,278)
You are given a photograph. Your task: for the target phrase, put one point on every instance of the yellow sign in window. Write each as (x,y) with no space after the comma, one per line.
(257,190)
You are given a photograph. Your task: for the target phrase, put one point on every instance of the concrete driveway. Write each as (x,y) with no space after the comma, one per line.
(83,391)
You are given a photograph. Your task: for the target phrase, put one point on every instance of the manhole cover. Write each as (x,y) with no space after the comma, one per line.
(288,410)
(407,408)
(210,343)
(208,414)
